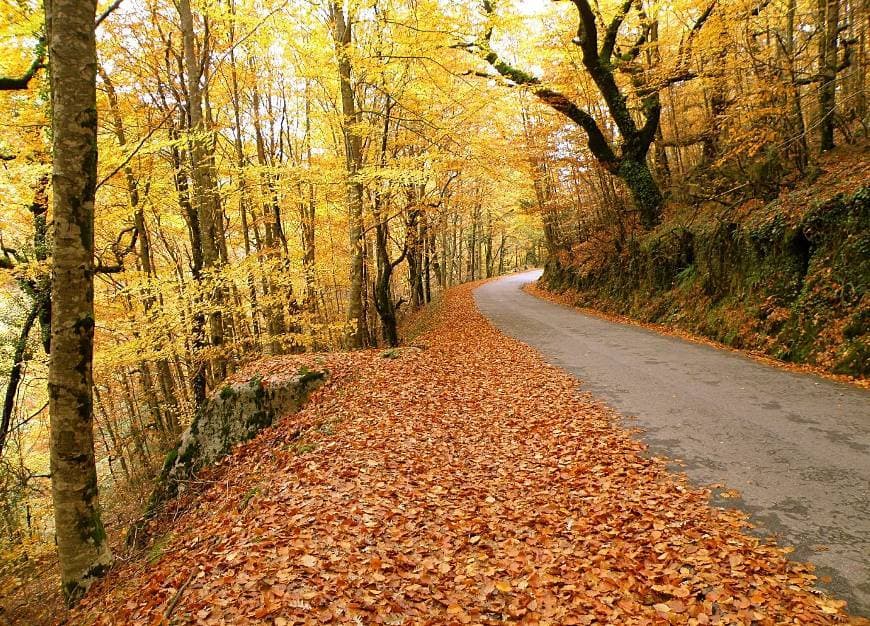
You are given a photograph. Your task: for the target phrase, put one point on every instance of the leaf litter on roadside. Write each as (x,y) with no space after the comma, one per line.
(465,483)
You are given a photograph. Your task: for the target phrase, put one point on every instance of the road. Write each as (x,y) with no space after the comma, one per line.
(795,446)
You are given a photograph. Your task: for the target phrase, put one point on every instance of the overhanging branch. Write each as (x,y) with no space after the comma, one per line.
(21,82)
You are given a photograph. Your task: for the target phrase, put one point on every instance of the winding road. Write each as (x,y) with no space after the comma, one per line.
(796,447)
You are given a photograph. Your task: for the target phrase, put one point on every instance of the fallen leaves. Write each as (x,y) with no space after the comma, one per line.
(309,561)
(467,483)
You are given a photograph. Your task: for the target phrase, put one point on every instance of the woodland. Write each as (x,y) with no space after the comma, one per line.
(190,187)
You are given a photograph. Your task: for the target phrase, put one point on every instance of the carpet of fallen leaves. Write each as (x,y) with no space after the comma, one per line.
(463,482)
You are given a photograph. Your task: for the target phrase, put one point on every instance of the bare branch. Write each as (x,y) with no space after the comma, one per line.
(107,12)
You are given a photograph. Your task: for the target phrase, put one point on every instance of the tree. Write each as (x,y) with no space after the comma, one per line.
(81,540)
(600,58)
(828,29)
(343,36)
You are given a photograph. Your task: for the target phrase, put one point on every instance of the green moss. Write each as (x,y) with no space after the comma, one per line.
(98,531)
(169,461)
(772,281)
(190,453)
(307,375)
(227,392)
(157,549)
(859,324)
(301,447)
(854,360)
(246,499)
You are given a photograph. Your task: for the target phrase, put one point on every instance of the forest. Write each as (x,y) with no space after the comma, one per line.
(189,187)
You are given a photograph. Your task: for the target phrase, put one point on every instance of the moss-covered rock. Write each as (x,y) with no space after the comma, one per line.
(233,414)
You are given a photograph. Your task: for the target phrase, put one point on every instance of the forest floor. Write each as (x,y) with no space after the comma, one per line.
(461,481)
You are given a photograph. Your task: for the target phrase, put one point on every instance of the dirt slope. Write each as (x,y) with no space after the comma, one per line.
(468,482)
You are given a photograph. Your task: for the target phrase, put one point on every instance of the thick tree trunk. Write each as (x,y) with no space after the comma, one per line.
(384,305)
(83,551)
(343,37)
(644,190)
(383,296)
(413,243)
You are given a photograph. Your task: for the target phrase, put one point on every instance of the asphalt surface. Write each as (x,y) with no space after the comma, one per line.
(795,446)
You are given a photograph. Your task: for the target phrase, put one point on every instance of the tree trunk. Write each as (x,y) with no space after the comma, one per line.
(307,212)
(799,149)
(204,194)
(487,244)
(644,190)
(628,162)
(197,331)
(83,551)
(828,33)
(342,34)
(15,374)
(383,297)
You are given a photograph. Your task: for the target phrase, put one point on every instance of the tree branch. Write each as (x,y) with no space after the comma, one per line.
(686,44)
(21,82)
(587,31)
(107,12)
(558,101)
(15,374)
(609,41)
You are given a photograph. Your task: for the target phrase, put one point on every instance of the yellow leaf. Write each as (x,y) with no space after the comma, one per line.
(309,560)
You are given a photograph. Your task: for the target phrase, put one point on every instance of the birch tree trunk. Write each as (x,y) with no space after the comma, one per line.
(81,540)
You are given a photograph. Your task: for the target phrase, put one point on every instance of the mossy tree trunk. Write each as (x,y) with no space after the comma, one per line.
(81,541)
(644,190)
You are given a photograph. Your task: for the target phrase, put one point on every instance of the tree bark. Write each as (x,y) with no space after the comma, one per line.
(383,297)
(204,195)
(828,33)
(83,551)
(307,212)
(343,37)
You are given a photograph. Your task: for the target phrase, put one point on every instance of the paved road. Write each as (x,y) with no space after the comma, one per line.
(796,447)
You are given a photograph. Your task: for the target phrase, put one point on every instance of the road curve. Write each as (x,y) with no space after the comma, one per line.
(795,446)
